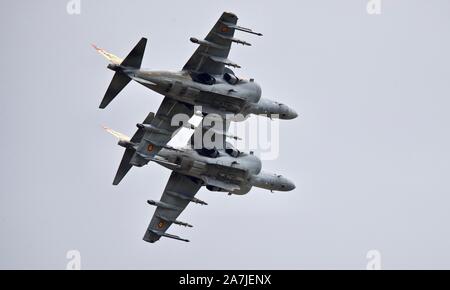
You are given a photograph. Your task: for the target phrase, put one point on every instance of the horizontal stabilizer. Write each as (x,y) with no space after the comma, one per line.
(125,141)
(124,166)
(119,81)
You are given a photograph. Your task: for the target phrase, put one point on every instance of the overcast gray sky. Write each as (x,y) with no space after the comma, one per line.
(369,152)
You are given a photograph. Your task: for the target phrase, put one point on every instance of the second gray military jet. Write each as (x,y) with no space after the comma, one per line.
(207,83)
(204,80)
(225,170)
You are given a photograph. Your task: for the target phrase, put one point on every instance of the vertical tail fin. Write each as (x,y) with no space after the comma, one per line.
(120,80)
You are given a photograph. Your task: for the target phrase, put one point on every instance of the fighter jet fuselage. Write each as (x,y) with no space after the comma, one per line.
(220,171)
(220,94)
(226,170)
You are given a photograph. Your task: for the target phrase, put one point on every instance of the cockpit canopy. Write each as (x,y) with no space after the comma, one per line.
(207,79)
(230,78)
(233,152)
(212,153)
(203,78)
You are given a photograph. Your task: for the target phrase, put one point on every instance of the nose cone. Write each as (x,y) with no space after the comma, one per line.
(286,184)
(292,114)
(288,114)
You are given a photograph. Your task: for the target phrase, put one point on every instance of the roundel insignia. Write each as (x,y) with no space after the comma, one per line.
(150,147)
(161,224)
(224,29)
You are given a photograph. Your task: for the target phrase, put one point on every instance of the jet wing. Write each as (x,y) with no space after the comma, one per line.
(179,192)
(160,130)
(211,56)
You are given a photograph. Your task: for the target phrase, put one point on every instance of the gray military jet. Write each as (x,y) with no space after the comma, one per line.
(225,170)
(204,80)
